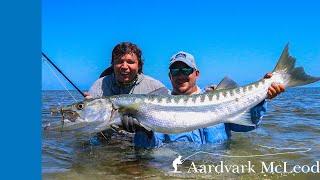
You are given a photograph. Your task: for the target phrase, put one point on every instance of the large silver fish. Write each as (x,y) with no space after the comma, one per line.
(182,113)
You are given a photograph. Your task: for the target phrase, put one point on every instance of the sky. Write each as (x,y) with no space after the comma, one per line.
(241,40)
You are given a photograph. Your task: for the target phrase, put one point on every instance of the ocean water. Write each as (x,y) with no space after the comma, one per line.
(288,138)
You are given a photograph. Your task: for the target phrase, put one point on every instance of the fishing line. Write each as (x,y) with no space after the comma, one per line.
(60,81)
(48,59)
(297,150)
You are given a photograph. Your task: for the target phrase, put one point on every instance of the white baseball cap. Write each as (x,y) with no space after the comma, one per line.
(184,57)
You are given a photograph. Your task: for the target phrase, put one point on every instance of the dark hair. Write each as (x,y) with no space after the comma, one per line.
(106,72)
(120,50)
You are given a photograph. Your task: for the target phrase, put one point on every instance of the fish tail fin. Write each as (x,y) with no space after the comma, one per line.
(291,75)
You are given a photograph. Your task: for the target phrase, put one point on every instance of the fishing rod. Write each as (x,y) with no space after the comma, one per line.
(44,55)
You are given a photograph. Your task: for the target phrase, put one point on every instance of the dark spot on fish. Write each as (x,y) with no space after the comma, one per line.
(143,99)
(151,98)
(210,96)
(159,99)
(231,93)
(237,99)
(256,85)
(237,90)
(202,98)
(176,100)
(194,99)
(185,99)
(168,100)
(224,93)
(250,87)
(155,98)
(218,96)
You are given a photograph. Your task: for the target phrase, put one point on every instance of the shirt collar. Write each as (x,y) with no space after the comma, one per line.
(137,80)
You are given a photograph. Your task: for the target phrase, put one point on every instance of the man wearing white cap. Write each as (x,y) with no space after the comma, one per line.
(183,75)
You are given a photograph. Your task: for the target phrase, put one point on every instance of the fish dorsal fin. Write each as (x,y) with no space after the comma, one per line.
(160,91)
(226,83)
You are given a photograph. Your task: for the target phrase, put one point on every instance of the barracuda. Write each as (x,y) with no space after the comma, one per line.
(182,113)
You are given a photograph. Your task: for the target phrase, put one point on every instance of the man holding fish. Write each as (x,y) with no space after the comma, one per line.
(183,75)
(126,77)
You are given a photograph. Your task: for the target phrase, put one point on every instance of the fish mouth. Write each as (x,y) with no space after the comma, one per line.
(66,114)
(69,115)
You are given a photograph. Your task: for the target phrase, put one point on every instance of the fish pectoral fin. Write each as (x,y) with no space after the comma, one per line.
(243,119)
(129,109)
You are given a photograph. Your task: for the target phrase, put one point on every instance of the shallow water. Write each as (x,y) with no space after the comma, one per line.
(292,121)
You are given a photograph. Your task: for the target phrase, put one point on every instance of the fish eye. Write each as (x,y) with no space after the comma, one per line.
(80,106)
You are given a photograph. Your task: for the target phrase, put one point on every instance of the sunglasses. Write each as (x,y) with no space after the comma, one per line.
(185,71)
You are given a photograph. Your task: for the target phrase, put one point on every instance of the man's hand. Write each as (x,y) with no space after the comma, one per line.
(274,89)
(129,123)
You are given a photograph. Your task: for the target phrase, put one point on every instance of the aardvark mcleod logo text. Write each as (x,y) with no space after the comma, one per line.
(249,167)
